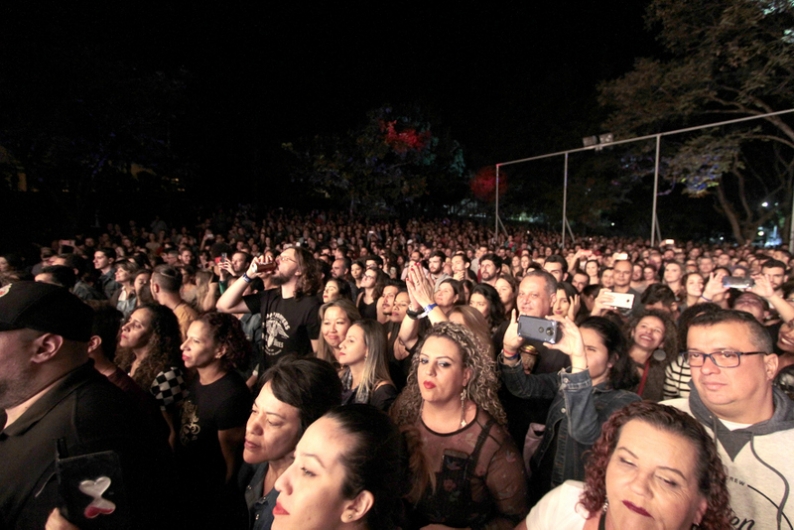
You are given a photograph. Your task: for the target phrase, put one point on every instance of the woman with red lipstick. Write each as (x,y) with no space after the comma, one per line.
(295,392)
(349,472)
(365,376)
(213,415)
(472,465)
(653,467)
(654,345)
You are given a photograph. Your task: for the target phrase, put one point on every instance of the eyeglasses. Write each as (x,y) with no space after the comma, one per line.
(369,276)
(722,359)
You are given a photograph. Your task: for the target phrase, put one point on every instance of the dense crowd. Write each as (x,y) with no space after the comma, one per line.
(320,371)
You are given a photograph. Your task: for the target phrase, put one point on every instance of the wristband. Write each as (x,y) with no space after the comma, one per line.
(508,357)
(246,278)
(412,314)
(428,309)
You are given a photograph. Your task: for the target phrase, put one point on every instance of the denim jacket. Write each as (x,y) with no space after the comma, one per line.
(260,506)
(577,413)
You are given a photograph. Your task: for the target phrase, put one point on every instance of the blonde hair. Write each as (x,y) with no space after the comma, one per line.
(476,323)
(376,368)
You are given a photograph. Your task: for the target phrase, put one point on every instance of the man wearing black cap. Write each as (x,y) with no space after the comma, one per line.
(50,396)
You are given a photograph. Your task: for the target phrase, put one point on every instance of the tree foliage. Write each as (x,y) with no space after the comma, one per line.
(395,160)
(81,126)
(723,59)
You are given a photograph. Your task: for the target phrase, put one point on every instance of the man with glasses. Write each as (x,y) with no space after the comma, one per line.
(751,421)
(290,318)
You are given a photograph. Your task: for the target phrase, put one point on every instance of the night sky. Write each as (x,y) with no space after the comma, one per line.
(499,75)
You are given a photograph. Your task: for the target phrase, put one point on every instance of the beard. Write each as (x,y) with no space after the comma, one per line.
(278,280)
(14,391)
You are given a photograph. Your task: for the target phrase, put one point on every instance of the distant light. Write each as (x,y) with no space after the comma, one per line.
(590,140)
(613,224)
(721,238)
(760,232)
(764,204)
(607,138)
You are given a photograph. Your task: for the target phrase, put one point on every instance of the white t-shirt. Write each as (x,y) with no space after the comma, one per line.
(559,509)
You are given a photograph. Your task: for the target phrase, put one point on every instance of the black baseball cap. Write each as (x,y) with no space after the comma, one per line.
(45,307)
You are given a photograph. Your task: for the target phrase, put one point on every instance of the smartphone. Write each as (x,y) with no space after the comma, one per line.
(622,301)
(539,329)
(737,283)
(223,257)
(669,242)
(620,256)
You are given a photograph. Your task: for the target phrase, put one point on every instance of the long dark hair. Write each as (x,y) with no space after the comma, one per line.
(376,461)
(496,315)
(623,374)
(310,280)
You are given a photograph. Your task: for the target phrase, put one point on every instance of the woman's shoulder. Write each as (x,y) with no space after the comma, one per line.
(559,509)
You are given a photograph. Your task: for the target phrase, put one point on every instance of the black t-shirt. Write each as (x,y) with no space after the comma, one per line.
(224,404)
(219,406)
(289,324)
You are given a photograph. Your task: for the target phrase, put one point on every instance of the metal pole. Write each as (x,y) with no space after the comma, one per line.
(564,199)
(496,220)
(655,187)
(791,227)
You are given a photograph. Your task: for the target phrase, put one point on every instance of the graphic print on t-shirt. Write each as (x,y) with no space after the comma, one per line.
(190,423)
(276,328)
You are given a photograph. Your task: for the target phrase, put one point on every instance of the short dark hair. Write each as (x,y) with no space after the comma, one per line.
(167,277)
(107,321)
(556,258)
(658,292)
(74,261)
(61,275)
(309,384)
(375,258)
(438,254)
(494,258)
(462,255)
(108,252)
(773,264)
(758,333)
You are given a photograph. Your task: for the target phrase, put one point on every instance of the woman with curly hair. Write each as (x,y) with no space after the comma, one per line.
(584,397)
(212,427)
(469,462)
(148,351)
(653,467)
(653,346)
